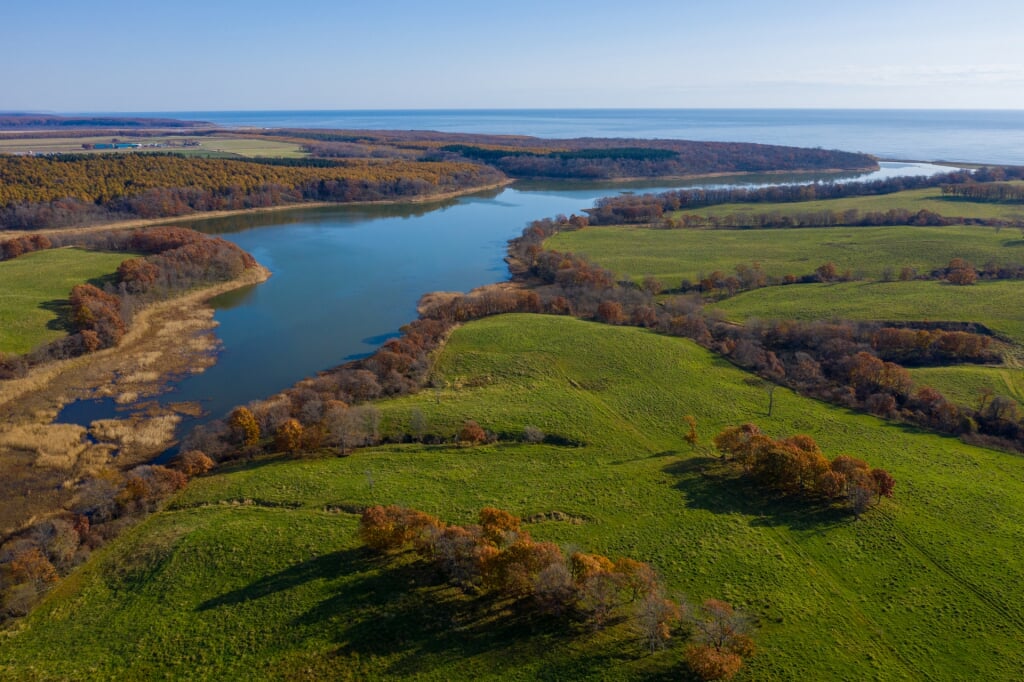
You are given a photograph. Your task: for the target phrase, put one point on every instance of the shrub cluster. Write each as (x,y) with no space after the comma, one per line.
(497,556)
(33,560)
(795,466)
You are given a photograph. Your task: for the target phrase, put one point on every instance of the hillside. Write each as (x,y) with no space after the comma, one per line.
(255,570)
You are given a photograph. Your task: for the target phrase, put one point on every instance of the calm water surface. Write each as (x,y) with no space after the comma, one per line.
(346,278)
(974,136)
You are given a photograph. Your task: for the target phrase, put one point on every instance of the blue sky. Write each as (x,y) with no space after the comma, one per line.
(109,55)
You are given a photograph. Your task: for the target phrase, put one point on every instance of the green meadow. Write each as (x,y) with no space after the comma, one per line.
(34,291)
(254,572)
(967,384)
(929,199)
(870,252)
(995,304)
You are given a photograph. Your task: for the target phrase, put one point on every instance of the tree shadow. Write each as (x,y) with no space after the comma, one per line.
(406,612)
(721,488)
(399,609)
(329,566)
(61,310)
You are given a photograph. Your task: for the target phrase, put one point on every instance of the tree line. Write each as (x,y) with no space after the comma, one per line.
(989,191)
(602,159)
(581,158)
(650,208)
(71,189)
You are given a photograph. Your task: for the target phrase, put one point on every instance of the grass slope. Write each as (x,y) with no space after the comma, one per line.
(34,293)
(927,586)
(994,304)
(966,384)
(671,255)
(929,199)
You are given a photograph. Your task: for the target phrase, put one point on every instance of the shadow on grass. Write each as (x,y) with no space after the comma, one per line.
(399,608)
(61,309)
(710,484)
(327,567)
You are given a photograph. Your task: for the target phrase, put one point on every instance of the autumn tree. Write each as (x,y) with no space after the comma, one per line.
(723,640)
(288,437)
(471,433)
(193,463)
(610,312)
(961,272)
(655,616)
(244,426)
(498,526)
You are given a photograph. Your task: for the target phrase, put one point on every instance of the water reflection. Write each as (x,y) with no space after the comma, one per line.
(345,278)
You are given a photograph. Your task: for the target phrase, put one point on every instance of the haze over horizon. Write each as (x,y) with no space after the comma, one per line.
(114,55)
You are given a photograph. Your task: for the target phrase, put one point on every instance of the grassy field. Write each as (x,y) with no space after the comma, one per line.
(994,304)
(251,575)
(34,293)
(671,255)
(965,384)
(929,199)
(231,145)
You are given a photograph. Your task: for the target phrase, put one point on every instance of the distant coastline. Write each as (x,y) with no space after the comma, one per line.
(953,135)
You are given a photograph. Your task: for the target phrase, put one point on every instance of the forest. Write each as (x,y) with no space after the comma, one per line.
(65,190)
(72,189)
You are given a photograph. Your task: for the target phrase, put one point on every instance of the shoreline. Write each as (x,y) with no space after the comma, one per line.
(142,325)
(41,459)
(210,215)
(424,199)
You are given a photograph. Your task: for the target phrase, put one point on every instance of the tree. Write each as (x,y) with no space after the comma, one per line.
(654,618)
(471,433)
(723,640)
(691,433)
(885,484)
(289,436)
(346,427)
(554,589)
(610,312)
(193,463)
(498,526)
(709,663)
(245,427)
(826,272)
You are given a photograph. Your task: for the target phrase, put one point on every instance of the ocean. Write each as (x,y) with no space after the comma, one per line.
(969,136)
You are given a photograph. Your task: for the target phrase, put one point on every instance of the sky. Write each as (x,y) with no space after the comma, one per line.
(207,55)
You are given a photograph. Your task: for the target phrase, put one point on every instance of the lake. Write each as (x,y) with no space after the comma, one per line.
(970,136)
(346,278)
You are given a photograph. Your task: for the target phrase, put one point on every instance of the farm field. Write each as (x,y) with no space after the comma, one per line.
(929,199)
(34,293)
(222,145)
(672,255)
(995,304)
(254,571)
